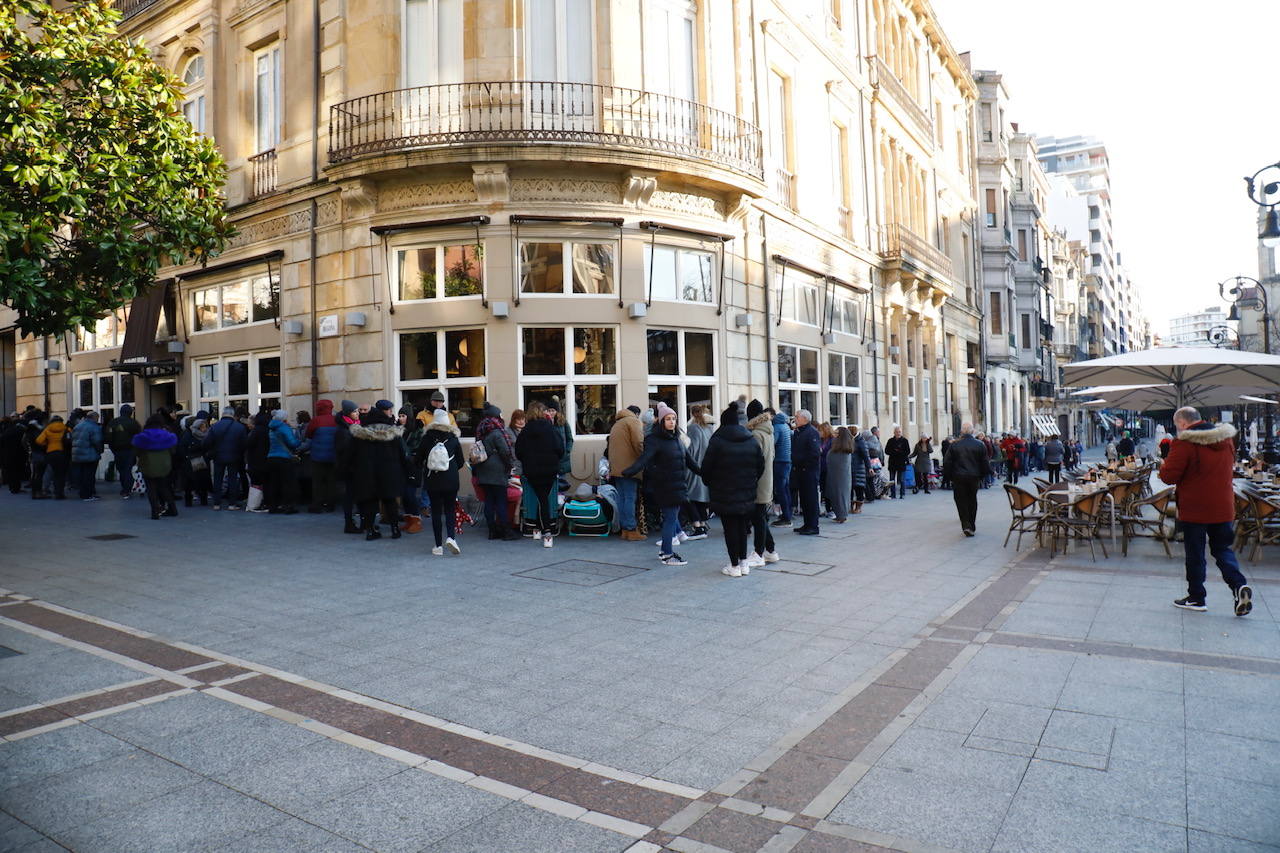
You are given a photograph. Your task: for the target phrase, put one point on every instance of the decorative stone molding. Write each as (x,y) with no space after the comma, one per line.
(269,229)
(843,92)
(359,198)
(566,190)
(427,195)
(786,35)
(739,208)
(688,203)
(638,187)
(327,212)
(492,184)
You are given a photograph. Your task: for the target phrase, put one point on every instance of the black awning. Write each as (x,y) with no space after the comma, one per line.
(144,317)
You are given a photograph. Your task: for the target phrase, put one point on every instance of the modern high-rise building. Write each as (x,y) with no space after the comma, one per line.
(596,202)
(1192,330)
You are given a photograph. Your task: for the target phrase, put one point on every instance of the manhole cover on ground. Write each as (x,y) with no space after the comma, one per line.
(112,537)
(6,652)
(796,567)
(580,572)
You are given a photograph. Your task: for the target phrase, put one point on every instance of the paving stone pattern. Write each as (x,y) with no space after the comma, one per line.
(892,686)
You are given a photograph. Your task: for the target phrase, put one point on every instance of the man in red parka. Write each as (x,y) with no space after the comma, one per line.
(1200,463)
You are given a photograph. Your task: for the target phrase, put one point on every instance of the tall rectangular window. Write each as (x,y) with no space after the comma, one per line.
(560,40)
(779,118)
(576,369)
(843,389)
(678,274)
(432,41)
(452,361)
(670,62)
(840,176)
(1022,243)
(996,315)
(266,94)
(1026,331)
(991,208)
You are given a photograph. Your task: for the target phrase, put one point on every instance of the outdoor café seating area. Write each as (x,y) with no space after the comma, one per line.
(1107,507)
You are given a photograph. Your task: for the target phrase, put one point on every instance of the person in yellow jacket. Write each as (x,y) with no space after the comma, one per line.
(55,442)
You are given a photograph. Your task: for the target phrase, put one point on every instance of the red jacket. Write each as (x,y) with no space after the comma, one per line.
(1200,463)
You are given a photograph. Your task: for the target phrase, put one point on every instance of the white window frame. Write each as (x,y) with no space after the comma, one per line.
(566,283)
(442,381)
(88,340)
(440,246)
(215,403)
(437,67)
(267,129)
(895,397)
(792,282)
(836,385)
(911,400)
(194,92)
(562,36)
(668,23)
(569,379)
(840,175)
(926,395)
(95,404)
(837,307)
(684,378)
(681,253)
(798,387)
(250,282)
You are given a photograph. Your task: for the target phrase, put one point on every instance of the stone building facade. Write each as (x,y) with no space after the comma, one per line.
(604,202)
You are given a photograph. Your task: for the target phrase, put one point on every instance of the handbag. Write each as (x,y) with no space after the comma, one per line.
(199,463)
(139,484)
(255,499)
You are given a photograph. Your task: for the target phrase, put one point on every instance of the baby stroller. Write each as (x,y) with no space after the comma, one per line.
(877,482)
(585,514)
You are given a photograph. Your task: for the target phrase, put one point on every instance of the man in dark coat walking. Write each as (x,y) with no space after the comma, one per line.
(966,466)
(1201,464)
(806,460)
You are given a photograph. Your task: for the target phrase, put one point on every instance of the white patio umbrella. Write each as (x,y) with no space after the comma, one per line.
(1250,399)
(1140,398)
(1192,371)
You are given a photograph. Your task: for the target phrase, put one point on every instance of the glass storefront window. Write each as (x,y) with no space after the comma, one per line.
(266,300)
(205,315)
(676,274)
(595,352)
(253,300)
(543,353)
(235,304)
(595,406)
(269,375)
(106,391)
(208,380)
(699,354)
(808,367)
(664,353)
(590,268)
(421,271)
(238,377)
(417,273)
(418,357)
(541,268)
(464,352)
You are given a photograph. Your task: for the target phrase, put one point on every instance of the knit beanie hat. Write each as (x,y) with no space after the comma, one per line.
(754,409)
(437,397)
(731,415)
(635,410)
(664,410)
(407,410)
(385,405)
(492,411)
(279,415)
(441,417)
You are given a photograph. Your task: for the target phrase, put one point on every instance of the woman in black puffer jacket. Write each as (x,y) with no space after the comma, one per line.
(731,468)
(666,466)
(539,447)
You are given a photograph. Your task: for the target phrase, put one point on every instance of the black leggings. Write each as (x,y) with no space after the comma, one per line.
(1055,471)
(542,485)
(760,527)
(443,514)
(735,536)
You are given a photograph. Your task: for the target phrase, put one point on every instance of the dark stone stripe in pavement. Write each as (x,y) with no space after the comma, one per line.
(732,830)
(848,731)
(60,711)
(818,842)
(1256,665)
(588,790)
(142,649)
(921,665)
(988,603)
(793,780)
(217,673)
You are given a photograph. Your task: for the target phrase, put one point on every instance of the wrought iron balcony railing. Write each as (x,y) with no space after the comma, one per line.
(885,78)
(523,111)
(898,241)
(129,8)
(263,176)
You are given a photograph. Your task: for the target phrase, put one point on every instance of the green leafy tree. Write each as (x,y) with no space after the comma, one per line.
(102,180)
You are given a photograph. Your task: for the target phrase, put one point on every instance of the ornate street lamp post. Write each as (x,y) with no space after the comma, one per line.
(1265,192)
(1223,336)
(1233,291)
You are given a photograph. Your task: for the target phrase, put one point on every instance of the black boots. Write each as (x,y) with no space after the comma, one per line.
(395,530)
(351,526)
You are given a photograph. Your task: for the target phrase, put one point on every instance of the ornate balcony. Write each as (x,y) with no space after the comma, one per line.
(263,180)
(528,112)
(884,78)
(898,242)
(129,8)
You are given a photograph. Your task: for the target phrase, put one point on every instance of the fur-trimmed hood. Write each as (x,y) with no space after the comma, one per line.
(376,432)
(1205,433)
(762,418)
(435,427)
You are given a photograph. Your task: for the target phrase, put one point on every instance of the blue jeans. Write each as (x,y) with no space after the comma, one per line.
(1220,537)
(226,482)
(124,469)
(782,488)
(627,488)
(670,527)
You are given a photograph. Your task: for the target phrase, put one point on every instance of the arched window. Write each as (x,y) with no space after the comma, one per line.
(193,88)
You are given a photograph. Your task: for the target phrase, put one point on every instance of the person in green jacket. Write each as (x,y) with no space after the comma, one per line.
(154,446)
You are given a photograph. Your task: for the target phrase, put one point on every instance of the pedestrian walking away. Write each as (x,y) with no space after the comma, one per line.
(666,465)
(120,432)
(1201,465)
(439,457)
(732,468)
(760,425)
(155,445)
(806,462)
(967,466)
(540,448)
(625,444)
(86,450)
(1053,456)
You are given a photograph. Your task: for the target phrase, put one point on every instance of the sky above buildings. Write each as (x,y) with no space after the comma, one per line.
(1183,98)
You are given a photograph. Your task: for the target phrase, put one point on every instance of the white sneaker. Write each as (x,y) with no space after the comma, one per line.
(547,540)
(681,538)
(771,557)
(437,551)
(744,568)
(754,560)
(452,546)
(731,571)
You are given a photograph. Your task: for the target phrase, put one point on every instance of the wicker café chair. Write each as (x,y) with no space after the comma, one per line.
(1266,524)
(1134,522)
(1081,520)
(1028,514)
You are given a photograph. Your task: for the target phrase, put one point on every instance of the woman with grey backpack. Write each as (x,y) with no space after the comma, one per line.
(440,455)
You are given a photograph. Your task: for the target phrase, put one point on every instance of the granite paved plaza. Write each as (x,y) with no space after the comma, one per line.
(235,682)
